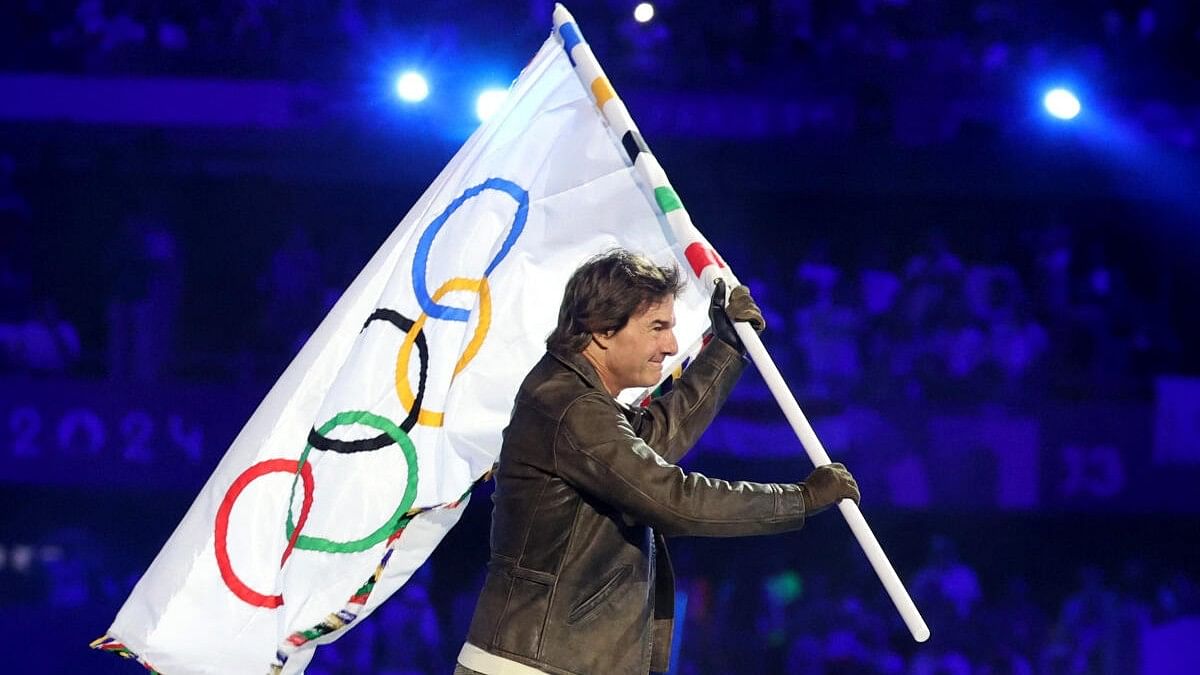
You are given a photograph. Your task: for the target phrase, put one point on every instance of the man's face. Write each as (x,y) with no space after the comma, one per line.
(634,355)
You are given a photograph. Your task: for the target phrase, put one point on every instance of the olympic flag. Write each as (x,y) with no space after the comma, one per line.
(358,460)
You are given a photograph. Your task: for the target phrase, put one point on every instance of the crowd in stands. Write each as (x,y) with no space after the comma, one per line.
(1119,616)
(1059,317)
(728,43)
(1057,313)
(34,335)
(805,624)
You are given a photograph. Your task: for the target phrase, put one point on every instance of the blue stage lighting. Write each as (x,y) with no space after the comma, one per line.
(1061,104)
(489,102)
(412,87)
(643,12)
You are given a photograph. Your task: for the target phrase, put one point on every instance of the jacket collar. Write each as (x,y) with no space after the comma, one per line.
(584,368)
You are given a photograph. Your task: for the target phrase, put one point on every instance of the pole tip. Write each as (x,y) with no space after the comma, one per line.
(561,15)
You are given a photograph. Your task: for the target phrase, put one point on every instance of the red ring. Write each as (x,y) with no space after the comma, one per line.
(240,589)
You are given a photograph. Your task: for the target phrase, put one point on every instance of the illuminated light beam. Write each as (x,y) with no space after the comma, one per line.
(1061,103)
(488,102)
(412,87)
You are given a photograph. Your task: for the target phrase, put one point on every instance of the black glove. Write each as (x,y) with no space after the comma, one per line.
(741,307)
(826,486)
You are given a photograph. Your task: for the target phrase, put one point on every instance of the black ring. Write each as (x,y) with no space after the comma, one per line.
(405,324)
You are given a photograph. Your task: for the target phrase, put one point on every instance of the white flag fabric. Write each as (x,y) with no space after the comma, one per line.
(357,462)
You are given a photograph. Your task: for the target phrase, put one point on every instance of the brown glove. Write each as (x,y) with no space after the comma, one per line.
(741,307)
(826,486)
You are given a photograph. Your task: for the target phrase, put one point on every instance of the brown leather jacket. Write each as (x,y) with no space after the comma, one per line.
(579,579)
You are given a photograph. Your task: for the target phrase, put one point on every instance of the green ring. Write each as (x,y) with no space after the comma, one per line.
(307,543)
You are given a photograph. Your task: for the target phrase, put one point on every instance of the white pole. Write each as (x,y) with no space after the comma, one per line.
(850,511)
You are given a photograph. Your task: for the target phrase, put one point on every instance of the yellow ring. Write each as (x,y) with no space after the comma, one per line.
(432,418)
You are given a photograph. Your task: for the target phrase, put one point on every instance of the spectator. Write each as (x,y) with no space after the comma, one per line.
(948,588)
(291,292)
(43,344)
(146,299)
(1086,636)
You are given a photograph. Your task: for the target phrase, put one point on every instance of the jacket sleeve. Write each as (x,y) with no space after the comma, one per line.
(673,423)
(598,453)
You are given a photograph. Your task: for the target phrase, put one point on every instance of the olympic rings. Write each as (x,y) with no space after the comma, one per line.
(429,417)
(307,543)
(390,433)
(220,542)
(421,258)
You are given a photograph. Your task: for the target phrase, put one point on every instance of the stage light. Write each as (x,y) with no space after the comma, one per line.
(1061,104)
(412,87)
(489,102)
(643,12)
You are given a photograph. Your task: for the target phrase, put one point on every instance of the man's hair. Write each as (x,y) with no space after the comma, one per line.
(605,292)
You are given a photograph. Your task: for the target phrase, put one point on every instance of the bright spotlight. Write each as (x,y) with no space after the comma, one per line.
(489,102)
(412,87)
(1061,103)
(643,12)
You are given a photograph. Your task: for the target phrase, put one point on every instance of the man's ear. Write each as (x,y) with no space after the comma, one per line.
(602,339)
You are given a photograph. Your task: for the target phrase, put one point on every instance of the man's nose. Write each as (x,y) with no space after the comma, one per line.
(672,345)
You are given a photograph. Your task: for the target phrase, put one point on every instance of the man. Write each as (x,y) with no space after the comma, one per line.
(579,580)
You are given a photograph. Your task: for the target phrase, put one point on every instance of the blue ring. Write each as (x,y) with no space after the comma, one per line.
(421,257)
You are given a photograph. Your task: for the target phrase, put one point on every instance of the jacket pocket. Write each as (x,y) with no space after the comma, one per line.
(591,603)
(519,630)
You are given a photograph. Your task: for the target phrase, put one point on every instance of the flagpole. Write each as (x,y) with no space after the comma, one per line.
(707,267)
(816,452)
